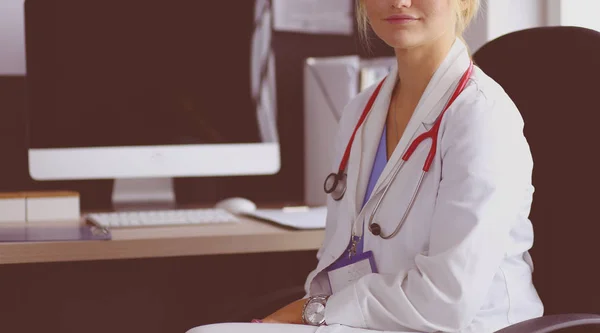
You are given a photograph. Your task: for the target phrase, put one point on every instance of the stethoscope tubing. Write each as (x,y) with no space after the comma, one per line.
(339,179)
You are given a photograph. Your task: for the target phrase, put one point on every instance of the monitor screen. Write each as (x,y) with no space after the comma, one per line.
(103,73)
(144,89)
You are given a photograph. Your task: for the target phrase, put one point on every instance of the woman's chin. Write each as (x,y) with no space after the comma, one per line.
(403,40)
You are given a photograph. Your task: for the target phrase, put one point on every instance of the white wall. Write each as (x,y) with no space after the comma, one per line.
(12,38)
(499,17)
(513,15)
(580,13)
(477,33)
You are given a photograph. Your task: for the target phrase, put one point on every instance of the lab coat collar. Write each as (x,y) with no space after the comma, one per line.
(364,148)
(436,94)
(443,83)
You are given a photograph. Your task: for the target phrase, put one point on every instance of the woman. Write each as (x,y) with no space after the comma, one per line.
(459,260)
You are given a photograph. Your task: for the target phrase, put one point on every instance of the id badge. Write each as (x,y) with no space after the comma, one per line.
(346,271)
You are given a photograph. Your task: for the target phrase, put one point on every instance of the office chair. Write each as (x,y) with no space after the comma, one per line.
(553,76)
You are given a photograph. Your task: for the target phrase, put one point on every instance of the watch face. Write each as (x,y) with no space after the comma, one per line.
(315,313)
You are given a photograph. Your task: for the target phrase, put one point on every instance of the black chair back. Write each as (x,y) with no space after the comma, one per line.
(553,76)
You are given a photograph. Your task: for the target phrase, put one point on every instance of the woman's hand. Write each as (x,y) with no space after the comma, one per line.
(289,314)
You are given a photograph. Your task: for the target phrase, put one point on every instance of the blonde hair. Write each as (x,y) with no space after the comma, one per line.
(463,18)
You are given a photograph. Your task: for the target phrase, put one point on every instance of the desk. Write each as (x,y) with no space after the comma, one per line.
(151,280)
(248,236)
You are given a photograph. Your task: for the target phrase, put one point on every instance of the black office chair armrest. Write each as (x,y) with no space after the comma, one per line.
(552,323)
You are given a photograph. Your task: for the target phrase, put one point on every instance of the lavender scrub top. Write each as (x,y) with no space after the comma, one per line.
(378,166)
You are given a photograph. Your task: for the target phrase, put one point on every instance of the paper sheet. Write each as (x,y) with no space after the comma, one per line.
(12,37)
(313,218)
(314,16)
(342,277)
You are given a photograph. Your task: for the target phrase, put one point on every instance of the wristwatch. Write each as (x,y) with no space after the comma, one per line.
(314,310)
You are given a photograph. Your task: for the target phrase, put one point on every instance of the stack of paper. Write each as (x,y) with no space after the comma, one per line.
(39,206)
(297,218)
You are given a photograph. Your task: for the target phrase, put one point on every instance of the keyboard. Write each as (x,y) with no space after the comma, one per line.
(156,218)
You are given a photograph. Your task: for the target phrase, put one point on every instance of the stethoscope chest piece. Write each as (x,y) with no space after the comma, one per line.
(335,184)
(375,229)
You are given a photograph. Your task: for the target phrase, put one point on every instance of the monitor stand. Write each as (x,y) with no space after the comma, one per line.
(143,193)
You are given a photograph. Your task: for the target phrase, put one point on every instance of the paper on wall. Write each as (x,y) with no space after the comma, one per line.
(314,16)
(12,37)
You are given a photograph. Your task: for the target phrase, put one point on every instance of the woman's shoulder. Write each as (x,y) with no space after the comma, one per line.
(489,89)
(483,120)
(483,97)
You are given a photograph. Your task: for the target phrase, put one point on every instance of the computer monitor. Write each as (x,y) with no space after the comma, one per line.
(137,90)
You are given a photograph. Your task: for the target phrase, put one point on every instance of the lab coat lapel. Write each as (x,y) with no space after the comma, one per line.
(438,91)
(364,149)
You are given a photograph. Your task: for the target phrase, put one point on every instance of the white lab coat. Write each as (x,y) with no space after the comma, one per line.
(460,263)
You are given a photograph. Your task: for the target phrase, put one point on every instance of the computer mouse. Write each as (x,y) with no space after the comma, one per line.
(236,205)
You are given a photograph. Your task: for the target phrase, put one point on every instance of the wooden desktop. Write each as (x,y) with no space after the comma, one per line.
(247,236)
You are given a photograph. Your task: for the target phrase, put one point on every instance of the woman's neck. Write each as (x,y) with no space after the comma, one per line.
(417,65)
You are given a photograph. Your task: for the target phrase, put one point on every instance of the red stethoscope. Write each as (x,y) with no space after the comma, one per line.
(335,183)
